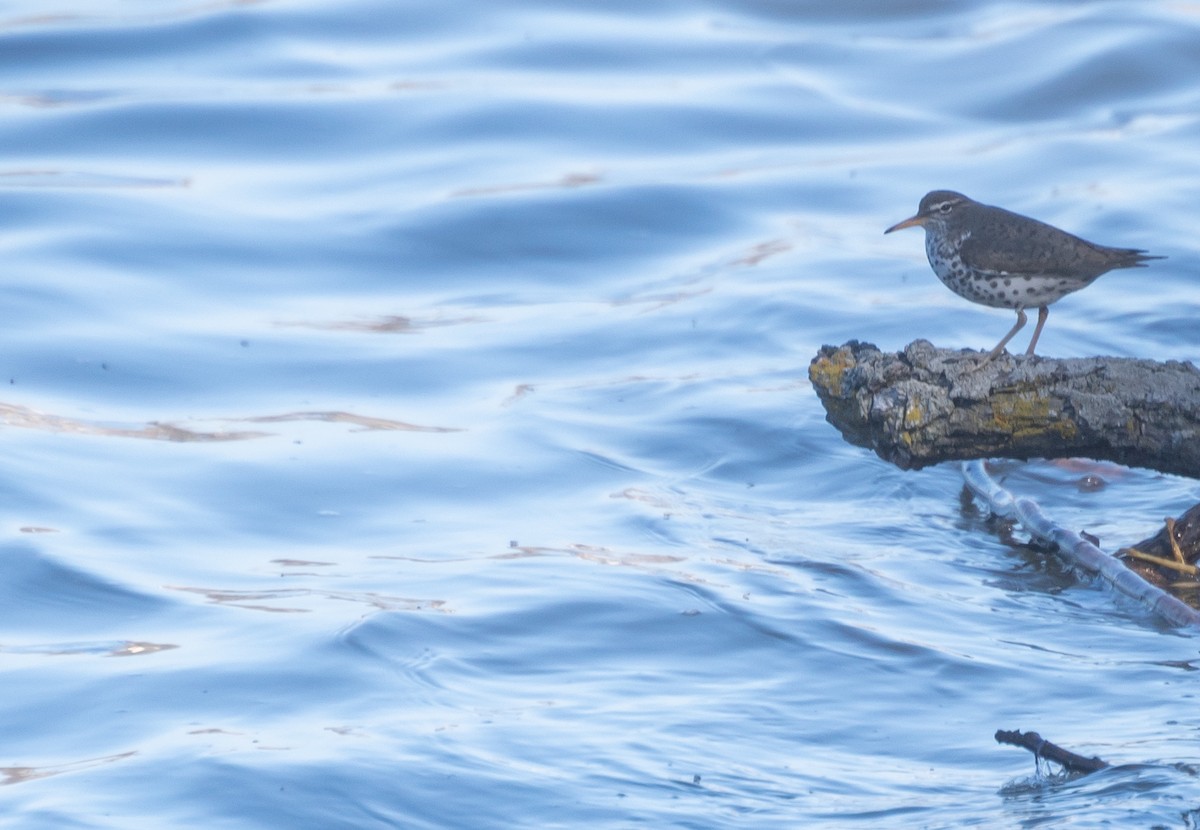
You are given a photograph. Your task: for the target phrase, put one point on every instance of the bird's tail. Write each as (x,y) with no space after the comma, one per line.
(1131,257)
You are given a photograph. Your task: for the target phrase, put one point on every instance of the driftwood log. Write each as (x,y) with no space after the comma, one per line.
(926,405)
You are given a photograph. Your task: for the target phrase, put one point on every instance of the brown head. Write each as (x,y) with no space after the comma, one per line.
(938,209)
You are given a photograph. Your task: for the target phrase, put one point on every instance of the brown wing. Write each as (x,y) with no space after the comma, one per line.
(1002,242)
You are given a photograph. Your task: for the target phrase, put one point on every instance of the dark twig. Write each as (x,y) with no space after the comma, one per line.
(1041,748)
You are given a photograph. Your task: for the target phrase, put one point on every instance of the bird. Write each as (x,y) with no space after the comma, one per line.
(1002,259)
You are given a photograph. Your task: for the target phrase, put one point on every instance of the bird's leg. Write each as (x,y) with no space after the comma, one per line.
(1021,318)
(1043,313)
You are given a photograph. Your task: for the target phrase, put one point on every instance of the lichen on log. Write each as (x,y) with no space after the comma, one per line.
(926,405)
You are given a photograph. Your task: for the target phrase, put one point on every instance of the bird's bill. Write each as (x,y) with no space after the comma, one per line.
(910,222)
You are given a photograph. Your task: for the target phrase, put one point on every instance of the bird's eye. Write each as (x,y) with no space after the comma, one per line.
(945,207)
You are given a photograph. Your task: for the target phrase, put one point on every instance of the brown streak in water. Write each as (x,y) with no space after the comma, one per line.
(521,390)
(764,250)
(125,649)
(592,553)
(18,775)
(570,180)
(66,179)
(388,324)
(657,301)
(367,422)
(243,599)
(136,649)
(23,417)
(634,494)
(14,415)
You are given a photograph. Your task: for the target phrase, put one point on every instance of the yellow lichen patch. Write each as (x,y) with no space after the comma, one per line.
(826,372)
(1027,415)
(914,415)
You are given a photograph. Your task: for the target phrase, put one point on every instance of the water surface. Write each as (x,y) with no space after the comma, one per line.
(407,421)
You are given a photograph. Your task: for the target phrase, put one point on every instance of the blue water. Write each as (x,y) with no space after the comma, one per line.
(407,420)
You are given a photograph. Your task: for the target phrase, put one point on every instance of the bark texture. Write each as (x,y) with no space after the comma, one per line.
(926,405)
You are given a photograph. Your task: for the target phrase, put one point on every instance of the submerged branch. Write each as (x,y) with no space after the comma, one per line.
(1078,550)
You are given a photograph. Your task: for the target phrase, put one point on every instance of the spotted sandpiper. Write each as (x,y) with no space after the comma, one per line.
(1004,260)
